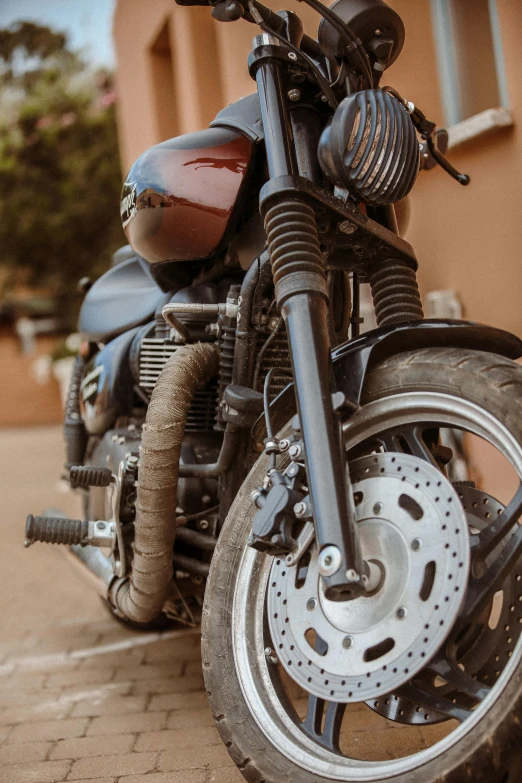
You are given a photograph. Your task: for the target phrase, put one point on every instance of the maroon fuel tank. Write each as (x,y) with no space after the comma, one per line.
(179,200)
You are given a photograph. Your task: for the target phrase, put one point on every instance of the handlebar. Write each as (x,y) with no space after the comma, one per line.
(308,45)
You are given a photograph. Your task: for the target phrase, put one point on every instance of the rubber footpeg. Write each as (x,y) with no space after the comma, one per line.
(88,476)
(56,530)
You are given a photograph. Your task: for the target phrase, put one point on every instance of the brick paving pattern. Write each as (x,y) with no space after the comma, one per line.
(82,698)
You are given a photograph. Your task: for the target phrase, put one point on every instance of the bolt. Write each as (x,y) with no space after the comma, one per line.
(324,99)
(347,642)
(377,509)
(273,323)
(294,94)
(100,525)
(329,560)
(300,509)
(292,56)
(347,227)
(270,655)
(311,604)
(284,444)
(352,575)
(295,451)
(377,32)
(203,524)
(416,544)
(402,612)
(292,471)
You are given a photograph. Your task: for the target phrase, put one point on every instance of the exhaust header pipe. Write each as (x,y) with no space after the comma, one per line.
(140,598)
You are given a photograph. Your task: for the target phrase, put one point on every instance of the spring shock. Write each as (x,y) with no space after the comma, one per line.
(395,294)
(74,429)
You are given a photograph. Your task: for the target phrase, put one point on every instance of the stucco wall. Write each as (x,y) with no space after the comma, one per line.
(465,238)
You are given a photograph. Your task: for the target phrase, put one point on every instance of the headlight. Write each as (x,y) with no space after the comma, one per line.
(371,148)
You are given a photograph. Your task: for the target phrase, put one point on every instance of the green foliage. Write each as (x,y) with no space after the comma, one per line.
(60,177)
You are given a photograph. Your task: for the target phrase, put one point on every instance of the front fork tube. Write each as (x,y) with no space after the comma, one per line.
(305,316)
(301,293)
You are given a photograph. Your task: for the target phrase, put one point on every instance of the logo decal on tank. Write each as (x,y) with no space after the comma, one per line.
(128,202)
(89,385)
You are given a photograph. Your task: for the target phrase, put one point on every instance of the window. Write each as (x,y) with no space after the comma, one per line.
(469,52)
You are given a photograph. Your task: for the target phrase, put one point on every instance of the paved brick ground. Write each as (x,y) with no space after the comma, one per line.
(81,697)
(85,699)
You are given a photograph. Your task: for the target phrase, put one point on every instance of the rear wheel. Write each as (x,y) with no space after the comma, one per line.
(420,682)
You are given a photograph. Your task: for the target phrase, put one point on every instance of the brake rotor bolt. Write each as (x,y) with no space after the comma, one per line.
(270,655)
(416,544)
(311,604)
(401,612)
(347,642)
(377,509)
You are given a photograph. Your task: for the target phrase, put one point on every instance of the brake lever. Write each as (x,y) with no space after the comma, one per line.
(445,164)
(427,130)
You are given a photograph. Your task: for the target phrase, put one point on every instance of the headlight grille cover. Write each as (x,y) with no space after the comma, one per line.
(371,148)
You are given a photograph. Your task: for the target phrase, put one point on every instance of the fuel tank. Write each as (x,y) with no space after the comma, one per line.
(182,197)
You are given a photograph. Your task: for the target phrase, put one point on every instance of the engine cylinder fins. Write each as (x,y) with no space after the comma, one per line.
(395,294)
(371,148)
(56,530)
(89,476)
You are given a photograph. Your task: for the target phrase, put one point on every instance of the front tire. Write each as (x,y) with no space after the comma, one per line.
(489,388)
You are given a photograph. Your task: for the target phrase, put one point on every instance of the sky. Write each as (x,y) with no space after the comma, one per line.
(88,23)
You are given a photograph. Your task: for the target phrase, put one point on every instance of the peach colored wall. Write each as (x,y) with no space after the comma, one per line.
(23,401)
(465,238)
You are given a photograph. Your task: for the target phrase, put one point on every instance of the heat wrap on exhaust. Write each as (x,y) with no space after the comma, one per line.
(140,598)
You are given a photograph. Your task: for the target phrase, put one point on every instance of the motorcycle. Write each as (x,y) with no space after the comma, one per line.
(231,429)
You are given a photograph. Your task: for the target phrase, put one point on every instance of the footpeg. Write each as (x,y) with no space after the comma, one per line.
(88,476)
(59,530)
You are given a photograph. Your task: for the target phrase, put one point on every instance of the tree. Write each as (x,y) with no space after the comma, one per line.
(60,177)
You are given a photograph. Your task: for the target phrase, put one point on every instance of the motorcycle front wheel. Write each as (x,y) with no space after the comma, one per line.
(451,722)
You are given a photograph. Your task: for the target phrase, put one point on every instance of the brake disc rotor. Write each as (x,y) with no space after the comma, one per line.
(485,647)
(412,528)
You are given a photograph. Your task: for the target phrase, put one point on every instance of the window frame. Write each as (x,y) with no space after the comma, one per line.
(445,45)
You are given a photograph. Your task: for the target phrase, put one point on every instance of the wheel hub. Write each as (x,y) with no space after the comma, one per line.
(413,533)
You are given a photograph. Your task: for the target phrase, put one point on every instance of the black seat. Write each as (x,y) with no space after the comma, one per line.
(124,297)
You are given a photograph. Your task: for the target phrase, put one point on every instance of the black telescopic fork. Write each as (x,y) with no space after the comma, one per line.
(301,293)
